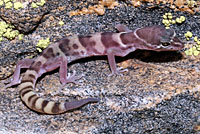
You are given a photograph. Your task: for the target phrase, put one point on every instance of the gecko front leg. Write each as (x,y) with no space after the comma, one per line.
(111,53)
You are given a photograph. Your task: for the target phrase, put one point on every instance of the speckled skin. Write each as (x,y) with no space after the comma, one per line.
(59,54)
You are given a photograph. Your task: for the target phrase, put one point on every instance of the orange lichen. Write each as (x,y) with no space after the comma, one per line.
(190,6)
(136,3)
(187,9)
(178,5)
(109,3)
(99,8)
(197,128)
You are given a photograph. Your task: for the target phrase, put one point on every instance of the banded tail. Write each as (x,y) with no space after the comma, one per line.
(36,103)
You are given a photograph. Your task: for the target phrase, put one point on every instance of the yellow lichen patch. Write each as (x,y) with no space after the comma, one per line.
(34,5)
(37,4)
(1,2)
(192,51)
(10,33)
(6,1)
(42,44)
(18,5)
(11,4)
(8,5)
(6,30)
(61,23)
(188,35)
(20,36)
(195,50)
(168,20)
(195,38)
(189,52)
(180,20)
(41,3)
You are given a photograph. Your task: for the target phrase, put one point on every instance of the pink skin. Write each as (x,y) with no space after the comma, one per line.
(25,63)
(61,62)
(47,67)
(122,28)
(113,53)
(59,54)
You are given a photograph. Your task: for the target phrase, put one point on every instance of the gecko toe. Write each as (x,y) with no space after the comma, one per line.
(118,71)
(11,82)
(72,78)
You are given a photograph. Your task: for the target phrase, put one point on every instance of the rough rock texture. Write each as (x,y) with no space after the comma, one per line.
(159,94)
(28,18)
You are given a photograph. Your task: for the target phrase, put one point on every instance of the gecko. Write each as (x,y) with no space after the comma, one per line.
(68,49)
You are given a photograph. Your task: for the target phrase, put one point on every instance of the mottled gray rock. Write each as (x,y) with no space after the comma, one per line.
(26,19)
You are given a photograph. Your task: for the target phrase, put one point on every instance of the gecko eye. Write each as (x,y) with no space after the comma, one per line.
(165,44)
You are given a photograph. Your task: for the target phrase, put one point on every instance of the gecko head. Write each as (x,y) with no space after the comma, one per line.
(169,41)
(158,38)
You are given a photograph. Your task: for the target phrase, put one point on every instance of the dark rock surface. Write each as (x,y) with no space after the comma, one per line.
(159,94)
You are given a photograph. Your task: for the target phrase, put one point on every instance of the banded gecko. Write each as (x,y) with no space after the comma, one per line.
(68,49)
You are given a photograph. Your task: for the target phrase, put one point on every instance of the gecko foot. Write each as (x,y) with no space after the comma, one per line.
(71,78)
(118,71)
(11,82)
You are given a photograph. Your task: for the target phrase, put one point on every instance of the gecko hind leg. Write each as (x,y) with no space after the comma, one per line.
(122,28)
(61,63)
(16,79)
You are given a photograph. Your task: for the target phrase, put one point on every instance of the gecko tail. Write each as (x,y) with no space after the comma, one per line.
(44,106)
(79,103)
(40,105)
